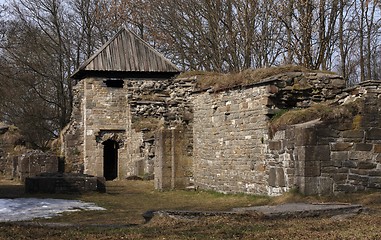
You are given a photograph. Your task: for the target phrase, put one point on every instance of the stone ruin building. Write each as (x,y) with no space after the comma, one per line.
(134,116)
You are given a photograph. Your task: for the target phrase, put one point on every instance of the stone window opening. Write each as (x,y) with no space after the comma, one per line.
(110,159)
(114,83)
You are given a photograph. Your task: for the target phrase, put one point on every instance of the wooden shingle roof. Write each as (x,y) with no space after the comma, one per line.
(126,55)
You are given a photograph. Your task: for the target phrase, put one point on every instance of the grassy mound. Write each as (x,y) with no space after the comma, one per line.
(219,81)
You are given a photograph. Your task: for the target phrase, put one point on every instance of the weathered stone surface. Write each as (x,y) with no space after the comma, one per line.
(64,183)
(366,165)
(36,162)
(312,169)
(377,148)
(173,163)
(339,156)
(272,177)
(233,149)
(347,188)
(373,134)
(350,164)
(275,145)
(375,182)
(363,147)
(341,146)
(357,134)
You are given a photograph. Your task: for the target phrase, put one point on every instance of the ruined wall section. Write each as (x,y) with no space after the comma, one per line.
(303,89)
(72,136)
(11,146)
(173,163)
(233,151)
(230,129)
(337,156)
(129,115)
(157,105)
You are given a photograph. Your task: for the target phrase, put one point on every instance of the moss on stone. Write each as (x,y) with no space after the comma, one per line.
(356,122)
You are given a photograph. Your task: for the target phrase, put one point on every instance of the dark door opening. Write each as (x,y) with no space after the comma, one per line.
(110,159)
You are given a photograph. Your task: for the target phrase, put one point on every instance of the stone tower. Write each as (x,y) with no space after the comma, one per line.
(100,139)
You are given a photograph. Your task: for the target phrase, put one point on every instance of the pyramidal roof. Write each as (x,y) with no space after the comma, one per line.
(126,55)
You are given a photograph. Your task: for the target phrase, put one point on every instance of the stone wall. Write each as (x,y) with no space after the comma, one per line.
(330,157)
(12,145)
(173,162)
(232,146)
(302,89)
(106,117)
(72,136)
(64,183)
(35,162)
(229,132)
(129,114)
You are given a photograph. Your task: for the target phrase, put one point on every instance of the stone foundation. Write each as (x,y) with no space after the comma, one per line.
(64,183)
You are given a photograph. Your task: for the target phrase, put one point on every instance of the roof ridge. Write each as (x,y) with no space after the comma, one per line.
(160,63)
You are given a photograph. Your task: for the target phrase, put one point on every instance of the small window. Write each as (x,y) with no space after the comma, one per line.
(114,83)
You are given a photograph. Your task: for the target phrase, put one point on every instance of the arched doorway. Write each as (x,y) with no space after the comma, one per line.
(110,159)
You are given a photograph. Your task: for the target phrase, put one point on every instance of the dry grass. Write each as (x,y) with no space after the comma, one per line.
(127,200)
(219,81)
(322,111)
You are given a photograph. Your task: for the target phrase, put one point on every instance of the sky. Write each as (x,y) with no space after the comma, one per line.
(25,209)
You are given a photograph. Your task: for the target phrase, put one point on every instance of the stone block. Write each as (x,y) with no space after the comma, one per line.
(325,186)
(346,188)
(366,165)
(362,172)
(363,147)
(373,134)
(349,164)
(305,136)
(312,169)
(359,134)
(341,146)
(319,153)
(374,182)
(329,169)
(377,148)
(342,126)
(356,179)
(360,155)
(328,164)
(272,89)
(280,177)
(272,177)
(340,177)
(339,156)
(275,145)
(325,141)
(325,132)
(376,172)
(377,158)
(309,185)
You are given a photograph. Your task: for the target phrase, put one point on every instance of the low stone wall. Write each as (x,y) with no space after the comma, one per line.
(36,162)
(11,145)
(64,183)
